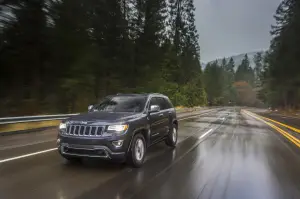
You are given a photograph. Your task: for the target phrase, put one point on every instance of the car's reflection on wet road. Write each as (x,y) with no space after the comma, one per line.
(223,154)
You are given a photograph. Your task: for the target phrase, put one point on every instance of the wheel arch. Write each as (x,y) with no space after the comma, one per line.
(143,131)
(175,121)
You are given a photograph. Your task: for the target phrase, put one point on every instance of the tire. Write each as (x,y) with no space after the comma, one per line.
(72,159)
(172,137)
(137,152)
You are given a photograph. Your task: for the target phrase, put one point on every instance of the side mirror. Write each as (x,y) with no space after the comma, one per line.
(90,107)
(154,108)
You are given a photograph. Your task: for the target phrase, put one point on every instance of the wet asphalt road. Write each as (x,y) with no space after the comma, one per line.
(224,154)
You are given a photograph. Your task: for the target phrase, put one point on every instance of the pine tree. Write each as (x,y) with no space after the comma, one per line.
(258,58)
(214,83)
(224,63)
(230,72)
(153,31)
(283,58)
(245,72)
(25,51)
(230,66)
(185,38)
(176,24)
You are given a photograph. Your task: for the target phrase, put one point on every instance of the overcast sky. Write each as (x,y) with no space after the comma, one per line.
(230,27)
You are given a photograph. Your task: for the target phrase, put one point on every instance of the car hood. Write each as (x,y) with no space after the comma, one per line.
(103,117)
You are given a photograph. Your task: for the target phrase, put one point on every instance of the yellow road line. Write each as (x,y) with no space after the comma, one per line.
(282,124)
(284,133)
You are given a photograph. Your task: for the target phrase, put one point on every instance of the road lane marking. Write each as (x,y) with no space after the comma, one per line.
(194,116)
(25,145)
(53,149)
(198,115)
(175,161)
(282,132)
(27,155)
(203,135)
(282,124)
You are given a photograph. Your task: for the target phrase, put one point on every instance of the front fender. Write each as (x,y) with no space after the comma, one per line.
(145,130)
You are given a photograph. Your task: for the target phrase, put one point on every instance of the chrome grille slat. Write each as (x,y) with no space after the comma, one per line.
(68,130)
(75,130)
(84,130)
(72,130)
(96,131)
(78,130)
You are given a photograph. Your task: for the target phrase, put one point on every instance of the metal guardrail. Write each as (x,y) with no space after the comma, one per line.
(37,118)
(12,125)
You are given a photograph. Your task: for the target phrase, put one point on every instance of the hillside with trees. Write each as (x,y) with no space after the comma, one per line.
(58,56)
(239,58)
(225,86)
(280,74)
(274,76)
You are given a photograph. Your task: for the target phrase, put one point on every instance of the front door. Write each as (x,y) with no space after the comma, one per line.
(164,116)
(156,121)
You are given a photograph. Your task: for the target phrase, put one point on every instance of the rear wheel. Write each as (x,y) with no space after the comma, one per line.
(136,154)
(172,136)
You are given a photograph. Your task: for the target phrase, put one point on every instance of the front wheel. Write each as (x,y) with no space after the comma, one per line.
(172,136)
(136,155)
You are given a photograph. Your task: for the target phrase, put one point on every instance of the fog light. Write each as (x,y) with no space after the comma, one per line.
(118,143)
(58,141)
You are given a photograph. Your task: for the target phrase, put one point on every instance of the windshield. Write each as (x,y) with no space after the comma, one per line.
(122,104)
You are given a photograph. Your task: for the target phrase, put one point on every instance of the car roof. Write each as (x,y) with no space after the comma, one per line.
(139,94)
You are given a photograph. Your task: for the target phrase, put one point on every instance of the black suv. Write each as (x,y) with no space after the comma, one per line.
(121,128)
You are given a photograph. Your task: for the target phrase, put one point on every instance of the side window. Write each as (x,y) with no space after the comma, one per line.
(162,103)
(158,101)
(153,101)
(168,103)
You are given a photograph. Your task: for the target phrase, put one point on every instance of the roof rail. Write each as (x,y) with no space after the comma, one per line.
(157,94)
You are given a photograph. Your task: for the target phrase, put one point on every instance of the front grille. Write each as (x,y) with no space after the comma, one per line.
(81,130)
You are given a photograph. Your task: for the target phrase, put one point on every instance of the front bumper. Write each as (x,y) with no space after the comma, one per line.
(92,148)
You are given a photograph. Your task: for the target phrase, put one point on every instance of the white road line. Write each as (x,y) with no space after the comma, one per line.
(205,134)
(24,145)
(27,155)
(194,116)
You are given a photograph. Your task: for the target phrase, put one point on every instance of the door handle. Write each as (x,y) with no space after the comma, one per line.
(160,115)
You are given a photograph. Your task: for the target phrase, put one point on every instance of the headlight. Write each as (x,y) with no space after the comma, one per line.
(118,128)
(62,126)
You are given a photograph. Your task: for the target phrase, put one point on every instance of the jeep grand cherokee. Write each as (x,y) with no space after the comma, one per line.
(121,128)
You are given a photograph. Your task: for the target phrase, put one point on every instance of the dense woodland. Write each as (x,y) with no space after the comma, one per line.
(281,64)
(58,56)
(226,86)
